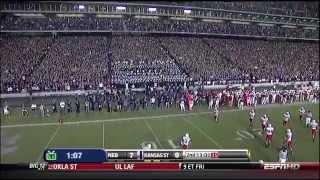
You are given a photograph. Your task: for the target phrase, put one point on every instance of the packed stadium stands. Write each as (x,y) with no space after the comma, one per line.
(129,49)
(89,22)
(80,62)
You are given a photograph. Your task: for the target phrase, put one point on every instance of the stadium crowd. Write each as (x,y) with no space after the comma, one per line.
(142,59)
(81,62)
(89,22)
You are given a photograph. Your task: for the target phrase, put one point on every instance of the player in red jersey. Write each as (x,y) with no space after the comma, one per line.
(314,127)
(269,132)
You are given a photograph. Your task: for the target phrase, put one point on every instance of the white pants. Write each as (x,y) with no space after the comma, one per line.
(241,105)
(308,121)
(182,108)
(5,112)
(210,105)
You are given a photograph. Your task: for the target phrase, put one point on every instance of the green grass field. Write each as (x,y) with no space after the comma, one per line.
(24,139)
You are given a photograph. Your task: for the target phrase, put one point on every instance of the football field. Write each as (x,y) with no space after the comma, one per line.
(23,139)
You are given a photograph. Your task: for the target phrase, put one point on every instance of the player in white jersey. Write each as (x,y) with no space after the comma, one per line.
(41,110)
(6,110)
(62,106)
(302,112)
(283,155)
(216,114)
(264,121)
(185,141)
(251,117)
(288,139)
(182,105)
(241,104)
(210,103)
(308,118)
(286,118)
(217,101)
(314,127)
(269,132)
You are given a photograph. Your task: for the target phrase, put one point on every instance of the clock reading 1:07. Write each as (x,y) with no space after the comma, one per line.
(79,155)
(74,155)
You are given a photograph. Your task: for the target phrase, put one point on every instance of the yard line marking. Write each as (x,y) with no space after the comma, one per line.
(104,120)
(153,133)
(203,133)
(49,142)
(103,135)
(145,117)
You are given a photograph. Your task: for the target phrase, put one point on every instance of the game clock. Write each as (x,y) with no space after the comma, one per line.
(74,155)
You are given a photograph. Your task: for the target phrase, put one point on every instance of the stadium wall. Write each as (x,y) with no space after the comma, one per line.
(81,92)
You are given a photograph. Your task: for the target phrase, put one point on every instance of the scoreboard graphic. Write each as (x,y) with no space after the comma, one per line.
(62,159)
(140,163)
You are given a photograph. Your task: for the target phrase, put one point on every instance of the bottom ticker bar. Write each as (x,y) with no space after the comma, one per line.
(115,167)
(174,166)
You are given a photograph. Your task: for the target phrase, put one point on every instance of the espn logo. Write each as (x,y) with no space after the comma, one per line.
(281,166)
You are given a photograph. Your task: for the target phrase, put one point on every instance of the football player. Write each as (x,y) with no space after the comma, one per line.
(283,155)
(286,118)
(314,127)
(308,118)
(251,117)
(269,132)
(24,110)
(185,141)
(264,121)
(182,105)
(216,114)
(6,110)
(288,139)
(302,112)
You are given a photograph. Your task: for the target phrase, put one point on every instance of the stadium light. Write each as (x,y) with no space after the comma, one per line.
(81,7)
(187,11)
(152,9)
(120,8)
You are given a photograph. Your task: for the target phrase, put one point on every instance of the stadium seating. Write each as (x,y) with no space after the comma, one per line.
(90,22)
(80,62)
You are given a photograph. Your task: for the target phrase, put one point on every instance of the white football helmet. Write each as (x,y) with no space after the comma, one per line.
(269,125)
(289,130)
(313,121)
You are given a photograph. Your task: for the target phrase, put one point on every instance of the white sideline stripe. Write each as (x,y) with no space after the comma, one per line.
(203,133)
(153,133)
(145,117)
(49,142)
